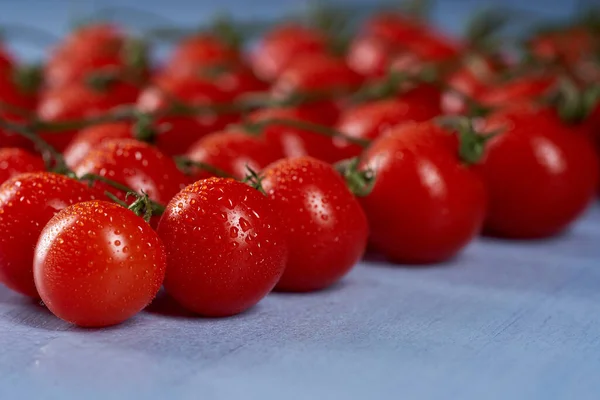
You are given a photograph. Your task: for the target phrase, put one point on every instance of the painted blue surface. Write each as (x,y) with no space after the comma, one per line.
(502,321)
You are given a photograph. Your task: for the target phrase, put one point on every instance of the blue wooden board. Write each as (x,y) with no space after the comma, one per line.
(502,321)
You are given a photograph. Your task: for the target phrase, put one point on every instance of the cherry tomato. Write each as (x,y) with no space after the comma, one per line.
(98,264)
(233,152)
(317,74)
(540,174)
(90,138)
(224,246)
(281,46)
(326,230)
(567,45)
(180,132)
(370,120)
(517,90)
(196,52)
(6,60)
(426,205)
(27,202)
(92,49)
(15,161)
(293,141)
(79,101)
(137,165)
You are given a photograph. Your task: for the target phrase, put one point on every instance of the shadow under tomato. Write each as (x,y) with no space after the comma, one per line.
(165,305)
(342,284)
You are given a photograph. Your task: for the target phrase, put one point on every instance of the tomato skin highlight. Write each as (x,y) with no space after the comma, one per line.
(27,203)
(224,246)
(326,230)
(15,161)
(425,205)
(540,173)
(98,264)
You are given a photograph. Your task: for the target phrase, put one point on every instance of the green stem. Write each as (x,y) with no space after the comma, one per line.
(307,126)
(185,164)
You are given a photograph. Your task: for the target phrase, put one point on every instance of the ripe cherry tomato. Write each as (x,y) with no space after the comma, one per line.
(517,90)
(293,141)
(410,34)
(79,101)
(569,45)
(90,138)
(281,46)
(317,74)
(426,205)
(326,230)
(180,132)
(27,202)
(98,264)
(224,246)
(371,120)
(137,165)
(233,152)
(199,51)
(6,60)
(92,49)
(15,161)
(540,174)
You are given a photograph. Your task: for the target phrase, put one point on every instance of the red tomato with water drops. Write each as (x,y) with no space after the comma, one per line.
(27,202)
(320,75)
(76,102)
(137,165)
(232,152)
(98,264)
(224,246)
(326,230)
(370,120)
(16,161)
(293,141)
(426,205)
(197,52)
(91,137)
(282,46)
(540,174)
(180,132)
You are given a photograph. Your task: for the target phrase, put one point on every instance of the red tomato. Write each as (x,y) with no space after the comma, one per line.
(540,174)
(98,264)
(90,138)
(426,205)
(6,60)
(27,202)
(280,47)
(182,131)
(326,230)
(224,247)
(370,120)
(567,45)
(76,102)
(15,161)
(409,34)
(137,165)
(517,90)
(91,49)
(196,52)
(317,74)
(292,141)
(232,152)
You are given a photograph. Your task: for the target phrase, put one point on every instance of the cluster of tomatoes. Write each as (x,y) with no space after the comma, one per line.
(226,173)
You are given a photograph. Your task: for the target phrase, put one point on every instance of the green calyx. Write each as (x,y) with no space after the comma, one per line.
(135,53)
(360,182)
(101,81)
(254,179)
(572,103)
(142,206)
(28,78)
(472,144)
